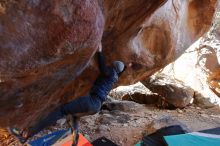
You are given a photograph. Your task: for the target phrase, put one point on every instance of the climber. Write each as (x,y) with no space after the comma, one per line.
(85,105)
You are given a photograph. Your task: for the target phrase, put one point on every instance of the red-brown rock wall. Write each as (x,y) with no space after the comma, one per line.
(44,46)
(165,35)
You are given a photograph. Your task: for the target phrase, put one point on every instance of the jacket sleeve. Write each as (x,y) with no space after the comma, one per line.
(102,64)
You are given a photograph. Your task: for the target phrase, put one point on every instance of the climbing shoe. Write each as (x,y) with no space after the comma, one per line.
(18,134)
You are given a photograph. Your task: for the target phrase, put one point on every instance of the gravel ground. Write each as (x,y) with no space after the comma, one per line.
(125,127)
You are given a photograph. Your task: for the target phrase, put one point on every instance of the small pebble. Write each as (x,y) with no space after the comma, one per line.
(215,116)
(125,125)
(179,111)
(198,108)
(204,115)
(179,115)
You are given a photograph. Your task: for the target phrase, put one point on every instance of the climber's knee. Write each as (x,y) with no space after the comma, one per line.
(94,107)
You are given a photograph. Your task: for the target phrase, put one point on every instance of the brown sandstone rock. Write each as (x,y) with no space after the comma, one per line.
(159,89)
(45,46)
(161,37)
(136,92)
(199,68)
(172,93)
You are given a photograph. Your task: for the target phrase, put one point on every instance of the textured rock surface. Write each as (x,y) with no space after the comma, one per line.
(172,93)
(159,89)
(45,46)
(199,67)
(162,36)
(136,92)
(112,104)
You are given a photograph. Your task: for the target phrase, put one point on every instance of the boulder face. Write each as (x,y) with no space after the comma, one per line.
(161,37)
(172,93)
(46,45)
(136,92)
(161,90)
(199,67)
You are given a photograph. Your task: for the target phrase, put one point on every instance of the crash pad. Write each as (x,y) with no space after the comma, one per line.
(103,141)
(51,138)
(69,139)
(59,138)
(193,139)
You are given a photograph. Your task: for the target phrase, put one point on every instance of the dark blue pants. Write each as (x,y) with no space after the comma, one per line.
(85,105)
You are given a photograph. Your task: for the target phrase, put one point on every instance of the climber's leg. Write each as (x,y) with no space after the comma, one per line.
(85,105)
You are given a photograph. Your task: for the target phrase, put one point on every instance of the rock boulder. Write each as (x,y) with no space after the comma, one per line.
(199,68)
(172,93)
(136,92)
(44,47)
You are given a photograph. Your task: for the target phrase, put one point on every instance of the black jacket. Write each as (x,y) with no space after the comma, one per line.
(105,81)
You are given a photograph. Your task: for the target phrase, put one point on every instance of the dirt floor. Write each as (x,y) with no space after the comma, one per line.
(129,132)
(126,126)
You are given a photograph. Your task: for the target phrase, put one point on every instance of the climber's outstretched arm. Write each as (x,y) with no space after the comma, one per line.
(101,62)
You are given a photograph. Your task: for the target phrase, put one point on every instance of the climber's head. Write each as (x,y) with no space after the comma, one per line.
(119,66)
